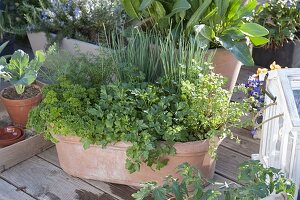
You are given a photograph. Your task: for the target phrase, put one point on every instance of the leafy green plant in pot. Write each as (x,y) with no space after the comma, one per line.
(257,181)
(21,73)
(282,19)
(213,23)
(156,116)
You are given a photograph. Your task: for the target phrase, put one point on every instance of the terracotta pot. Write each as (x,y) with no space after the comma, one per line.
(227,65)
(18,109)
(11,135)
(108,164)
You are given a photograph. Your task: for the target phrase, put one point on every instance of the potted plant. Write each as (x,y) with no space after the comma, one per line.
(86,24)
(214,24)
(148,117)
(281,18)
(258,183)
(19,99)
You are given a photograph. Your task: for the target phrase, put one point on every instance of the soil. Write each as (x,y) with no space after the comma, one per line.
(11,93)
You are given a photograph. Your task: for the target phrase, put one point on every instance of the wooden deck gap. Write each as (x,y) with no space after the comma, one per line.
(17,187)
(236,151)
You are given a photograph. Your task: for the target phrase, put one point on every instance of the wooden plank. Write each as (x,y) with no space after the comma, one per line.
(43,180)
(21,151)
(247,145)
(10,192)
(116,190)
(228,162)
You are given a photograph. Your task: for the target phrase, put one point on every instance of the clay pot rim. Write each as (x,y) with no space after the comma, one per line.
(11,142)
(19,131)
(181,147)
(18,100)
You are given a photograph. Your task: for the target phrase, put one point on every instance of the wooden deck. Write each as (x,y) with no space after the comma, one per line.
(41,177)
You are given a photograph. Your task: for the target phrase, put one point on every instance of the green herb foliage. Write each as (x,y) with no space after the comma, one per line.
(83,69)
(152,117)
(258,182)
(281,18)
(214,23)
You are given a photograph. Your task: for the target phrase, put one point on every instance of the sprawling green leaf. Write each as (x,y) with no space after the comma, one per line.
(159,193)
(247,9)
(239,49)
(198,14)
(257,41)
(254,30)
(205,31)
(131,7)
(222,7)
(145,4)
(3,46)
(179,6)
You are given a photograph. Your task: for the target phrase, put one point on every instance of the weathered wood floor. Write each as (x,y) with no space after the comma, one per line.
(41,177)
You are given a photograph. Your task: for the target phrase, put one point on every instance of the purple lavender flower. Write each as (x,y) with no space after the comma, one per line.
(253,132)
(77,13)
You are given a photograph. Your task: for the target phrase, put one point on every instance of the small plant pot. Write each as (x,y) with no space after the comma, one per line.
(10,135)
(18,109)
(108,164)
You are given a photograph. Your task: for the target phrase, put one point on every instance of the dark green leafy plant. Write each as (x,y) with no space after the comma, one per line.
(183,101)
(258,182)
(152,117)
(191,178)
(281,18)
(214,22)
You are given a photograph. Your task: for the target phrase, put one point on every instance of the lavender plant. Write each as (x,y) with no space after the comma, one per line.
(84,20)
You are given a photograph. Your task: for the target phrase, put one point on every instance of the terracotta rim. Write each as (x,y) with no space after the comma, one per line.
(181,147)
(15,102)
(5,143)
(12,132)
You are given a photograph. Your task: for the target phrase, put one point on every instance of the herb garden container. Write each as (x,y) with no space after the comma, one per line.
(38,41)
(108,164)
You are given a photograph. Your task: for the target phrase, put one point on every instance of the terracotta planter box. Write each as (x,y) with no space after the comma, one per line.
(38,41)
(227,65)
(108,164)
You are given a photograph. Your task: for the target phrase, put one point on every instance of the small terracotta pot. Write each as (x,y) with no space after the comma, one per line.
(11,135)
(108,164)
(18,109)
